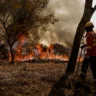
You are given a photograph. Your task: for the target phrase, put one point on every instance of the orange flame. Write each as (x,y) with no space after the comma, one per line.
(22,53)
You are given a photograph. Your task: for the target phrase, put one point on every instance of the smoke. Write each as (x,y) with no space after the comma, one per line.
(69,13)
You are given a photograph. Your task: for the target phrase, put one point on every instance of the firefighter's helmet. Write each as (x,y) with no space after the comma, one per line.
(89,24)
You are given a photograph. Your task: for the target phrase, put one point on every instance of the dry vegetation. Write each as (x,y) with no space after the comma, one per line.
(27,79)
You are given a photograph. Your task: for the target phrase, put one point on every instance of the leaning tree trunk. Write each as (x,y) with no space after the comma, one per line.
(88,12)
(58,88)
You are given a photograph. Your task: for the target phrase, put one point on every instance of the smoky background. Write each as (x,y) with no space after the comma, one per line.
(69,13)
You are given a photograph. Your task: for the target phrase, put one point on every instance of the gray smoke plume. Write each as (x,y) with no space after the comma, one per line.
(69,13)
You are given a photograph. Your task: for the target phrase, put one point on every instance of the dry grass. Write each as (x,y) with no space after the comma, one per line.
(33,79)
(27,79)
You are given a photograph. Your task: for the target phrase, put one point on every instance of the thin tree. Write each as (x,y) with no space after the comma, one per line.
(19,16)
(58,88)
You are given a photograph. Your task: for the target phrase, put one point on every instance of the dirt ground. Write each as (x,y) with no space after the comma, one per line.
(27,79)
(34,79)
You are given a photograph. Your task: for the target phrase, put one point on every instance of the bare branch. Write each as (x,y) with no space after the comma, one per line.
(94,9)
(20,35)
(1,21)
(33,9)
(7,17)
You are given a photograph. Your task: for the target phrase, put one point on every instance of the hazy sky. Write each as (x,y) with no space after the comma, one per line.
(93,19)
(94,16)
(69,13)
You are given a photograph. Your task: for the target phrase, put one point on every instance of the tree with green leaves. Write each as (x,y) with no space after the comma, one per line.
(17,17)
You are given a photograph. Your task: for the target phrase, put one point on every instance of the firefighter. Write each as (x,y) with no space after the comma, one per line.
(91,50)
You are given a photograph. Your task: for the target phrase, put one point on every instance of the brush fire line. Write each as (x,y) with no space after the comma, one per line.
(21,54)
(23,51)
(38,53)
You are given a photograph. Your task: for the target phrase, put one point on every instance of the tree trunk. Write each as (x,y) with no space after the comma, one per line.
(58,88)
(12,54)
(88,12)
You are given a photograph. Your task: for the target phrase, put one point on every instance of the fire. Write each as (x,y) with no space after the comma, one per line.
(23,51)
(49,53)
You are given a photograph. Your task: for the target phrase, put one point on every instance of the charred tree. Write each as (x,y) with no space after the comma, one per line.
(58,88)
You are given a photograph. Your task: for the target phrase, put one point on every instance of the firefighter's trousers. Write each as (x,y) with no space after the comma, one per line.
(93,66)
(92,62)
